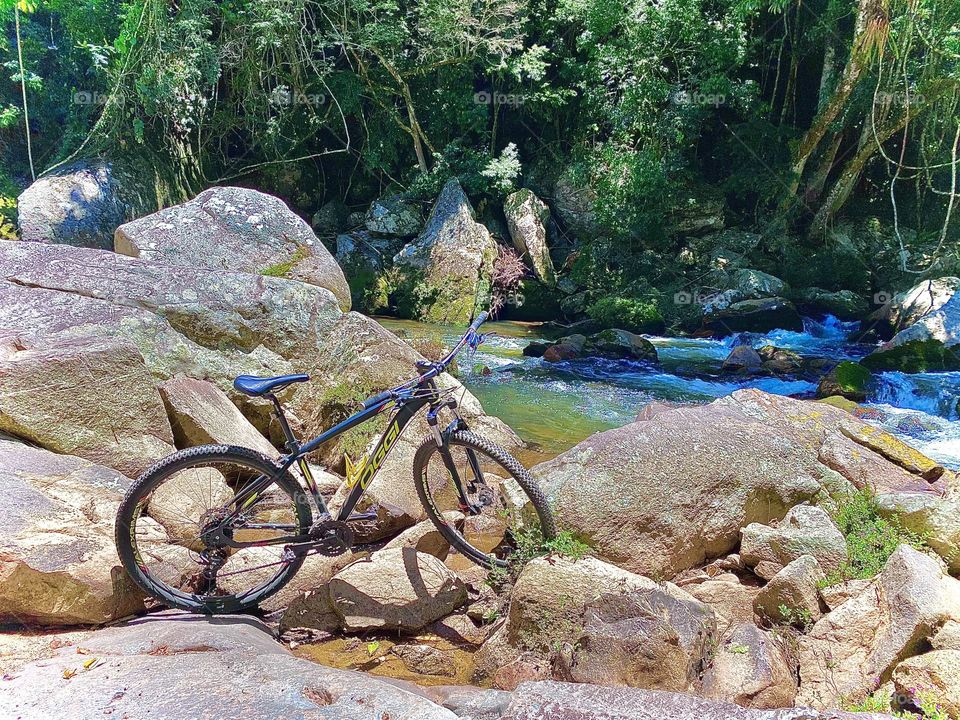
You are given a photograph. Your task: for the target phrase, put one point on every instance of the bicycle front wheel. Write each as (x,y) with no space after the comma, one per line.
(502,505)
(161,520)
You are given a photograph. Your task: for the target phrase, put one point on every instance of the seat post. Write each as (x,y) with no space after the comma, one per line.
(292,444)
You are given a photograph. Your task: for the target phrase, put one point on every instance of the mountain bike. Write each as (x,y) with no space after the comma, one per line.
(219,528)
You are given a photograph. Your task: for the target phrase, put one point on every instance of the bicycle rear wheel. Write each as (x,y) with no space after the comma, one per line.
(504,503)
(160,520)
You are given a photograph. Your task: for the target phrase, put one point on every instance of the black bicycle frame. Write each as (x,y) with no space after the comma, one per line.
(408,405)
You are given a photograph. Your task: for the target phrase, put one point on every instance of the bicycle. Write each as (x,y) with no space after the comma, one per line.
(245,518)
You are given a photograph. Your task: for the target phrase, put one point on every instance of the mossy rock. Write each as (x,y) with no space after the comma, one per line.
(848,379)
(915,356)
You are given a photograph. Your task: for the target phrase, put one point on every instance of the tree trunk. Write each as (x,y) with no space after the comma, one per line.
(23,89)
(870,20)
(840,192)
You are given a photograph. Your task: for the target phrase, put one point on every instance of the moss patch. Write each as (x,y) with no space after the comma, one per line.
(914,357)
(282,269)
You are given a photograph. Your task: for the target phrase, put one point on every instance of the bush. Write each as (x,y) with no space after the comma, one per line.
(631,314)
(871,539)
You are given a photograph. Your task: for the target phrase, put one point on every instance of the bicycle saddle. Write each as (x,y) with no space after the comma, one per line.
(257,386)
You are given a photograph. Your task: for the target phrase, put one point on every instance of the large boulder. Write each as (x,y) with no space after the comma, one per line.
(928,344)
(656,638)
(805,530)
(854,648)
(58,562)
(202,414)
(90,397)
(750,668)
(664,494)
(173,666)
(907,307)
(76,205)
(527,219)
(598,623)
(235,229)
(760,316)
(215,325)
(446,271)
(574,200)
(396,589)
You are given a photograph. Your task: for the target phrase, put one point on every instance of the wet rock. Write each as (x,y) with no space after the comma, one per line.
(568,348)
(750,668)
(805,530)
(93,398)
(791,596)
(527,218)
(393,216)
(425,660)
(742,359)
(760,316)
(927,326)
(202,414)
(58,561)
(442,271)
(611,344)
(778,361)
(235,229)
(848,379)
(397,589)
(843,304)
(849,649)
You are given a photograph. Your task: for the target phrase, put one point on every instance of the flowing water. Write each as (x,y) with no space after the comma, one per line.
(555,405)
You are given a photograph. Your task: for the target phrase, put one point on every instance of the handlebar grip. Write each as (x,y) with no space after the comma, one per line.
(480,320)
(377,399)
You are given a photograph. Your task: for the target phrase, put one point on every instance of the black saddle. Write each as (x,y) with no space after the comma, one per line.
(256,386)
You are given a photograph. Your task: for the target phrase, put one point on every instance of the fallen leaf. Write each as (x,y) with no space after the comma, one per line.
(69,673)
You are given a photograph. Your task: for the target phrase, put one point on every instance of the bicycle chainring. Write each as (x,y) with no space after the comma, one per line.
(330,538)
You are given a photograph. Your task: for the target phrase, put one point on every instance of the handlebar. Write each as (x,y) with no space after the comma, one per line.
(469,337)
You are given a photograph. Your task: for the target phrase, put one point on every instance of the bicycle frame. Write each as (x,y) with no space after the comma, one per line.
(408,404)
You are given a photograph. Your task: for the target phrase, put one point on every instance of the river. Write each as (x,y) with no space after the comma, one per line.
(554,406)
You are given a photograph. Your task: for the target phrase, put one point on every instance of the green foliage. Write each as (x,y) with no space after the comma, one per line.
(798,618)
(529,543)
(627,313)
(879,702)
(871,538)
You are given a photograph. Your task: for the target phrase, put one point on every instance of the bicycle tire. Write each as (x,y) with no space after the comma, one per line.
(132,506)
